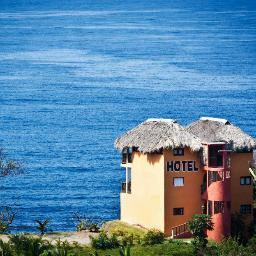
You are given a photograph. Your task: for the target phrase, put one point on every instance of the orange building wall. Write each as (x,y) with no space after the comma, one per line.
(240,194)
(153,195)
(145,204)
(188,196)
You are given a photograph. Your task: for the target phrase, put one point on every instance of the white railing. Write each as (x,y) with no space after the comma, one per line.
(179,230)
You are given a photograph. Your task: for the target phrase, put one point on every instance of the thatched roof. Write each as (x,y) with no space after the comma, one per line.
(216,130)
(156,134)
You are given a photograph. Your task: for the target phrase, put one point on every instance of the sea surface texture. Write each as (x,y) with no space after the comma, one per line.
(74,75)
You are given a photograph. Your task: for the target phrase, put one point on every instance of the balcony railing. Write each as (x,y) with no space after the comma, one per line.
(214,176)
(128,187)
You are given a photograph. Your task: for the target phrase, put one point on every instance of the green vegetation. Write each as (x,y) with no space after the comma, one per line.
(123,239)
(21,245)
(153,236)
(87,224)
(104,241)
(114,227)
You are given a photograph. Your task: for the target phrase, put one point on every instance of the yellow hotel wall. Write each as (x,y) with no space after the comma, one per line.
(145,204)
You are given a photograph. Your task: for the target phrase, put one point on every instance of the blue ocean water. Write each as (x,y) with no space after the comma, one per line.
(76,74)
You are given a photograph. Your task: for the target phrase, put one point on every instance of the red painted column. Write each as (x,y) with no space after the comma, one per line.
(219,192)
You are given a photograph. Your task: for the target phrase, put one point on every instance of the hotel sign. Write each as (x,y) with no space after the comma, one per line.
(183,166)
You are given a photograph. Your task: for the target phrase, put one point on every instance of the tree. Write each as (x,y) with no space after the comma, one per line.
(7,216)
(8,166)
(42,226)
(239,230)
(198,226)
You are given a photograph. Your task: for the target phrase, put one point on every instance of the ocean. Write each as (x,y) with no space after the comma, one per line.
(75,75)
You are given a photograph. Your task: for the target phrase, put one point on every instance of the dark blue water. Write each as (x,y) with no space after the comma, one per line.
(74,76)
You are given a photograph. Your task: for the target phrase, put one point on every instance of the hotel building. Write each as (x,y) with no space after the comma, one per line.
(174,172)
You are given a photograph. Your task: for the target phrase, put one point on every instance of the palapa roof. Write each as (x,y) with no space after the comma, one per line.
(211,130)
(156,134)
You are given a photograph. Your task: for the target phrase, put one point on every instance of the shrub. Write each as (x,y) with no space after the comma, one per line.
(6,249)
(153,236)
(29,246)
(238,228)
(198,226)
(103,241)
(252,245)
(127,239)
(61,248)
(87,224)
(231,247)
(120,228)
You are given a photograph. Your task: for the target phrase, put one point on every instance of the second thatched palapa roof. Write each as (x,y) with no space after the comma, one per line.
(215,130)
(156,134)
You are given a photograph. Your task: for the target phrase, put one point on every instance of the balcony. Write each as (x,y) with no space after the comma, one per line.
(126,188)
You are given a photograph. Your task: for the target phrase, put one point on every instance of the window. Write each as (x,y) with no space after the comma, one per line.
(126,186)
(245,180)
(245,209)
(178,181)
(127,155)
(210,208)
(218,207)
(178,211)
(178,151)
(124,155)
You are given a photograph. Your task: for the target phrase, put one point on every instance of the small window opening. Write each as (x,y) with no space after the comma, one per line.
(178,151)
(178,211)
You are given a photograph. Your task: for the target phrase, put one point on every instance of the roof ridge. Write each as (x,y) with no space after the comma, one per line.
(165,120)
(220,120)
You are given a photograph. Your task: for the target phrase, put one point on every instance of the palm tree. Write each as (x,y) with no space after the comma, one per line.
(42,226)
